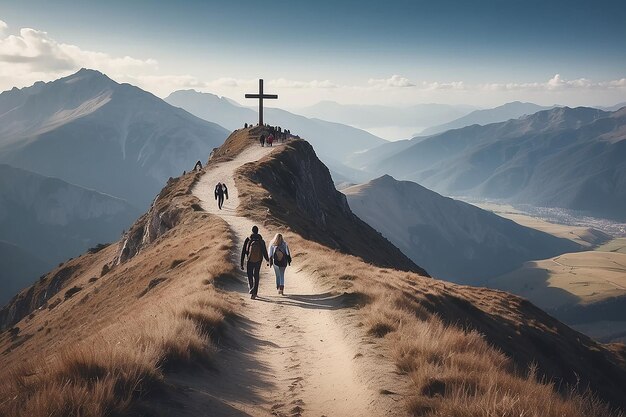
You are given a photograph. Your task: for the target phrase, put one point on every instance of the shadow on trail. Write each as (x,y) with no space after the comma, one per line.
(323,301)
(233,386)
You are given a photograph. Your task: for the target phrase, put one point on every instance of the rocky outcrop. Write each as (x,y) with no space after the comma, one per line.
(166,211)
(36,296)
(298,193)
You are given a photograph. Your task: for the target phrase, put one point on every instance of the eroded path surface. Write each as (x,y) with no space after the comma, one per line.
(291,358)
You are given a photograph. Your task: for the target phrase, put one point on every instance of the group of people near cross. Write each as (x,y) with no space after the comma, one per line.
(275,134)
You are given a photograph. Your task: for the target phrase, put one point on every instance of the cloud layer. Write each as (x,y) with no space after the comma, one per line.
(31,55)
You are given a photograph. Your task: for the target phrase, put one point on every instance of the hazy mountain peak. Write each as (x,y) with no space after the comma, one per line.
(86,75)
(385,179)
(507,111)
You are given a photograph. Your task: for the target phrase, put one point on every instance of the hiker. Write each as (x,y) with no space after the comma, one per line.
(198,166)
(254,248)
(262,140)
(280,257)
(220,191)
(270,139)
(245,125)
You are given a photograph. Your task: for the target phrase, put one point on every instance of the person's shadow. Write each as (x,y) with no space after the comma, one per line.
(323,301)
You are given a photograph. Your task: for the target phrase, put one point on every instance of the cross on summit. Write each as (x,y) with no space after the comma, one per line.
(261,96)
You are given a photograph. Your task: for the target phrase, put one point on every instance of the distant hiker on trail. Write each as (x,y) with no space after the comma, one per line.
(270,139)
(220,191)
(280,257)
(262,140)
(245,125)
(198,166)
(254,248)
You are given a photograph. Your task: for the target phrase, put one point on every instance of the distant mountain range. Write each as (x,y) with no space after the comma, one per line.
(415,117)
(563,157)
(91,131)
(502,113)
(331,140)
(451,239)
(44,221)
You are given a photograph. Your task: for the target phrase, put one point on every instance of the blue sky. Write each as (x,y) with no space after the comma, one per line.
(474,52)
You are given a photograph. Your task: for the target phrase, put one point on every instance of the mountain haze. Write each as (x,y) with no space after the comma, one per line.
(378,116)
(91,131)
(20,268)
(47,220)
(502,113)
(330,139)
(564,157)
(454,240)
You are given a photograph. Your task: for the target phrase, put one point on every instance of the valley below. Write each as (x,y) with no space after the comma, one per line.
(586,290)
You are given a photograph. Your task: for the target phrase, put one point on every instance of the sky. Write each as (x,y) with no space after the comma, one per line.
(480,53)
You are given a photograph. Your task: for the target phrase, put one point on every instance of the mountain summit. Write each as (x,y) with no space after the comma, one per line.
(91,131)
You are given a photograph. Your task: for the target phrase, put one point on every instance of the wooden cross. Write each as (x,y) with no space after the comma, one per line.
(261,96)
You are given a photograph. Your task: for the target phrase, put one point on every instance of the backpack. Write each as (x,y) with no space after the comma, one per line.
(255,253)
(279,257)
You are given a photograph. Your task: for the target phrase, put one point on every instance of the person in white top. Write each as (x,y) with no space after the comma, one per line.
(280,257)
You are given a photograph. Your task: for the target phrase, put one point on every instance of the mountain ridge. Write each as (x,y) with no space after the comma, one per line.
(180,256)
(512,110)
(123,141)
(534,160)
(454,240)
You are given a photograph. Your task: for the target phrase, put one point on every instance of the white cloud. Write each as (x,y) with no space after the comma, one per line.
(32,55)
(227,82)
(556,83)
(283,83)
(453,85)
(394,81)
(34,50)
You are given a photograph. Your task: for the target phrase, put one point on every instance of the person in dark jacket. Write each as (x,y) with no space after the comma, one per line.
(262,140)
(221,191)
(254,248)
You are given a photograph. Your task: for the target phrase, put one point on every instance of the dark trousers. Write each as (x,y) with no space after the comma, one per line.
(254,269)
(220,201)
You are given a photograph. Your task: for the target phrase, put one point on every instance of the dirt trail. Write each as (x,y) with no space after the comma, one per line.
(296,360)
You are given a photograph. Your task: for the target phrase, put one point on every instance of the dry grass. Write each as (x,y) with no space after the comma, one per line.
(105,376)
(102,351)
(89,380)
(467,351)
(453,368)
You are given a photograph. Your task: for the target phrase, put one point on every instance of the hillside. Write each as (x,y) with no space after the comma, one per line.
(502,113)
(88,130)
(47,221)
(166,324)
(331,140)
(568,158)
(586,290)
(453,240)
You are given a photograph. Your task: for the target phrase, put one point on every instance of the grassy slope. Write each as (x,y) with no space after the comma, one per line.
(99,351)
(105,348)
(468,351)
